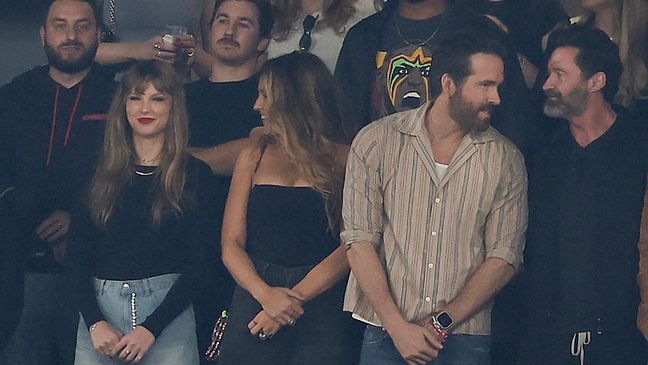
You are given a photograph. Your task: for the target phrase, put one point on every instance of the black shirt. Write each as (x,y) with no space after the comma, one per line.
(132,247)
(49,157)
(585,206)
(221,112)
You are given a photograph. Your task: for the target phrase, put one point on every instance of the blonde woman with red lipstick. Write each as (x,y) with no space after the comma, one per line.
(138,257)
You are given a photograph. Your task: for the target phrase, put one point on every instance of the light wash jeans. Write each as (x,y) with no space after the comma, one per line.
(378,349)
(176,345)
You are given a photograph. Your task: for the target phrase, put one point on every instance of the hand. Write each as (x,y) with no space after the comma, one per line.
(263,322)
(416,344)
(156,48)
(54,227)
(134,345)
(104,337)
(186,45)
(282,304)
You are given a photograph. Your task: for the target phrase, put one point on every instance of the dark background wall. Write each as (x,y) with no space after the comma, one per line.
(20,48)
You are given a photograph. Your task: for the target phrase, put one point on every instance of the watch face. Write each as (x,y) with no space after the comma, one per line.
(444,319)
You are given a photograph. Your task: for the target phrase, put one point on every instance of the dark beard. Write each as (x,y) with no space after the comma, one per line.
(70,66)
(466,116)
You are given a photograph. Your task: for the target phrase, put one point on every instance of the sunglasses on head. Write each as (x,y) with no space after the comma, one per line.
(305,40)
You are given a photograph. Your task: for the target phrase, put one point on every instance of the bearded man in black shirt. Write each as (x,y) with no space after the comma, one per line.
(51,130)
(586,193)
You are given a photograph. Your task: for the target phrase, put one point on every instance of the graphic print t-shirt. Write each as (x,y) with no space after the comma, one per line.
(403,64)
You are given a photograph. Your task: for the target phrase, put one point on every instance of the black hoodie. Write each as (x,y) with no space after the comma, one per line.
(49,159)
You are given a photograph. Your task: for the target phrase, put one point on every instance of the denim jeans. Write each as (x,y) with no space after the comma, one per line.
(47,327)
(324,335)
(176,345)
(378,349)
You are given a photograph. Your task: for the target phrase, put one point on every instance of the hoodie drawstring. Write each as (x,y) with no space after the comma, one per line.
(70,121)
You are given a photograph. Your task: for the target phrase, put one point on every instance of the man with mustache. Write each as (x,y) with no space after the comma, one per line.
(221,116)
(435,213)
(51,131)
(586,193)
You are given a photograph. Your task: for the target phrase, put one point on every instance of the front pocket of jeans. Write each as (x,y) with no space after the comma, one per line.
(374,335)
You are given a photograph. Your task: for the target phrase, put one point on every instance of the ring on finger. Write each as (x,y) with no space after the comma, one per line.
(291,322)
(191,52)
(138,358)
(156,45)
(263,336)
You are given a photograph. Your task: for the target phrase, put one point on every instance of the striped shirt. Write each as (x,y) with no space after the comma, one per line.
(431,233)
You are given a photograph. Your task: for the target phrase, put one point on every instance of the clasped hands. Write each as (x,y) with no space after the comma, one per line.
(110,342)
(418,343)
(281,307)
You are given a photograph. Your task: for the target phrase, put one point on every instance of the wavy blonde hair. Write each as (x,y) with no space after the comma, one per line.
(116,168)
(335,14)
(306,118)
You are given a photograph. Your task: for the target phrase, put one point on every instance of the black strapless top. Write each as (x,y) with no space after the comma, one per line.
(287,226)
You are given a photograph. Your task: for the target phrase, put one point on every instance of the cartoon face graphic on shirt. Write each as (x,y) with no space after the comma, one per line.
(408,80)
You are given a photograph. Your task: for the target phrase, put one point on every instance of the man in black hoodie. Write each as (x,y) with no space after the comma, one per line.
(51,131)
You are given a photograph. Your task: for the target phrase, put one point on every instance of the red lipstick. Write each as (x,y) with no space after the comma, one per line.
(145,120)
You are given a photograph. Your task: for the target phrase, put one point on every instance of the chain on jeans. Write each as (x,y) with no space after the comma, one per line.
(133,307)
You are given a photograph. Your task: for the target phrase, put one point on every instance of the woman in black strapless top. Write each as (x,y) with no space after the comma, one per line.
(280,231)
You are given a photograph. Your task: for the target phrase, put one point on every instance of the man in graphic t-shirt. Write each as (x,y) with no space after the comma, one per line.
(385,61)
(221,116)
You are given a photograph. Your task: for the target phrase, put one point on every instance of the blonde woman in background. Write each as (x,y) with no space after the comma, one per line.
(315,26)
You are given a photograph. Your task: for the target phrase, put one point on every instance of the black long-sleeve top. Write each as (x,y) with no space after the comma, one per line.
(133,248)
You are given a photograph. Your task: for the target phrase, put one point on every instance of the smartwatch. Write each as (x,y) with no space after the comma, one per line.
(444,319)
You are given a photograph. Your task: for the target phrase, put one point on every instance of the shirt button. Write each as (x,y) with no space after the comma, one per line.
(437,200)
(125,286)
(434,233)
(427,299)
(430,265)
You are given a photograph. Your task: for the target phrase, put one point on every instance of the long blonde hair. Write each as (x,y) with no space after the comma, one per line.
(306,116)
(116,168)
(335,14)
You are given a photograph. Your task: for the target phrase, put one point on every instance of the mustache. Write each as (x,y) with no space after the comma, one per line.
(552,93)
(71,43)
(228,41)
(487,107)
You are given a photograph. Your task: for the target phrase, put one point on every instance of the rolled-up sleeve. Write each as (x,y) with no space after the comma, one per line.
(506,223)
(362,209)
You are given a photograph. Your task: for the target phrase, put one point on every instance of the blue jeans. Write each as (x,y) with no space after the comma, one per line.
(46,330)
(378,349)
(176,345)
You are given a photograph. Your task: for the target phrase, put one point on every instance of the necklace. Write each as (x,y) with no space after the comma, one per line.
(145,173)
(408,42)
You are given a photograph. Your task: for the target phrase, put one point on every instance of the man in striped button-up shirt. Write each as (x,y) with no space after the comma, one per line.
(435,211)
